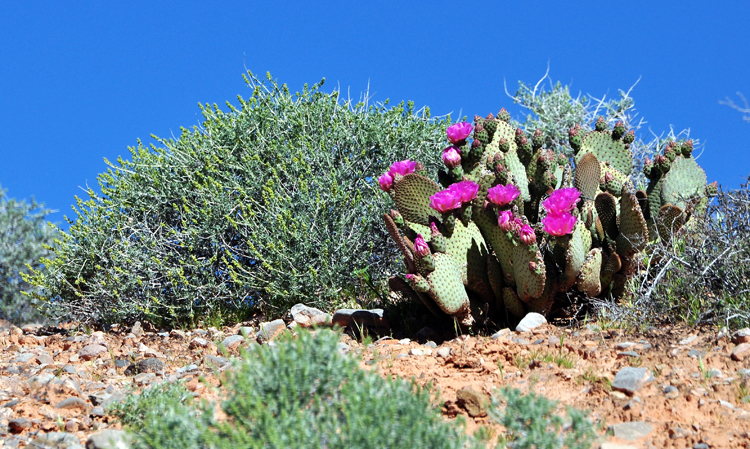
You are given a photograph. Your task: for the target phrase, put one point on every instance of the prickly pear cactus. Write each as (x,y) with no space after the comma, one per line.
(512,226)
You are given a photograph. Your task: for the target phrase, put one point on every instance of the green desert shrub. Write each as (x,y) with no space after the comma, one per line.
(301,393)
(264,205)
(532,421)
(698,275)
(25,238)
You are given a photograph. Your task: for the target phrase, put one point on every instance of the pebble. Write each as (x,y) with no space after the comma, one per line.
(631,431)
(270,330)
(232,342)
(474,402)
(420,351)
(198,342)
(531,321)
(553,341)
(630,379)
(521,341)
(143,378)
(430,344)
(741,351)
(90,352)
(444,352)
(309,316)
(622,355)
(178,334)
(688,340)
(109,439)
(57,440)
(18,425)
(137,330)
(500,333)
(73,402)
(24,358)
(741,336)
(671,392)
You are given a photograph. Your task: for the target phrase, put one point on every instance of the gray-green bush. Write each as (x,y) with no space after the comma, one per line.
(24,239)
(302,393)
(262,206)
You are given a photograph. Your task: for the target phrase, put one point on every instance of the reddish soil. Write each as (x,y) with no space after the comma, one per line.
(704,407)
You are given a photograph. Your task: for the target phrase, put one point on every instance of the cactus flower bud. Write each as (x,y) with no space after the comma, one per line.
(503,195)
(618,130)
(397,217)
(601,124)
(526,235)
(437,240)
(629,137)
(532,265)
(458,132)
(503,115)
(386,182)
(505,220)
(504,145)
(420,247)
(452,157)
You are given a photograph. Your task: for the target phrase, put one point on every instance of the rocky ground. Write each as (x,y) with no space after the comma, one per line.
(667,387)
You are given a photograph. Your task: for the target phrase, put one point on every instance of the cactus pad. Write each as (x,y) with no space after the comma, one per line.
(528,271)
(589,281)
(412,196)
(607,149)
(446,287)
(587,175)
(684,180)
(633,229)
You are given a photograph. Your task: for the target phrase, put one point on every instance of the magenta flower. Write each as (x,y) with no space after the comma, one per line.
(502,195)
(458,132)
(465,190)
(445,201)
(505,220)
(402,168)
(526,234)
(420,247)
(386,182)
(562,200)
(559,224)
(452,157)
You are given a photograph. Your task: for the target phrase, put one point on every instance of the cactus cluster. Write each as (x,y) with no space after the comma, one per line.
(511,224)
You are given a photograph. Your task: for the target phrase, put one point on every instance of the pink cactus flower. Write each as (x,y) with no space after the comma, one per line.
(526,234)
(465,190)
(559,224)
(458,132)
(445,201)
(409,276)
(452,157)
(505,220)
(562,200)
(402,168)
(501,195)
(434,229)
(420,247)
(386,182)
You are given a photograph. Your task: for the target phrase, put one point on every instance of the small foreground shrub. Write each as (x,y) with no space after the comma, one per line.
(531,422)
(302,393)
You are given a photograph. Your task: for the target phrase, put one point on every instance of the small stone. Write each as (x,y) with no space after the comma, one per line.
(71,426)
(18,425)
(553,341)
(359,318)
(44,359)
(700,446)
(618,395)
(631,431)
(245,331)
(137,330)
(741,336)
(97,411)
(624,345)
(531,321)
(215,361)
(501,333)
(109,439)
(624,354)
(404,341)
(99,398)
(715,373)
(198,342)
(143,378)
(631,379)
(417,352)
(177,334)
(73,402)
(309,316)
(97,338)
(670,392)
(57,440)
(741,351)
(149,365)
(694,353)
(24,358)
(474,402)
(678,432)
(121,363)
(270,330)
(185,369)
(521,341)
(90,352)
(688,340)
(232,342)
(726,404)
(342,348)
(444,352)
(148,352)
(539,341)
(431,344)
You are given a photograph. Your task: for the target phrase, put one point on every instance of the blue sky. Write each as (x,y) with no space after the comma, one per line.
(80,81)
